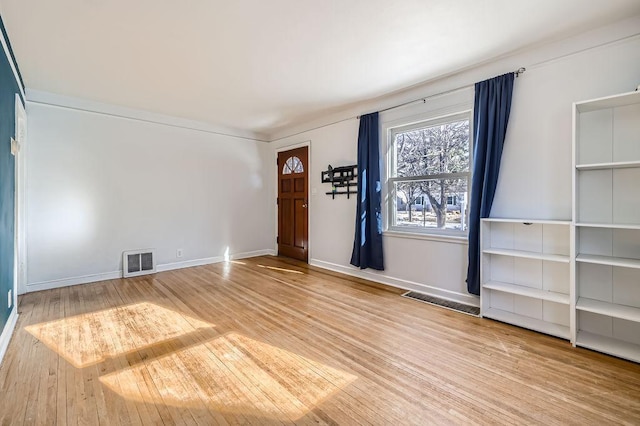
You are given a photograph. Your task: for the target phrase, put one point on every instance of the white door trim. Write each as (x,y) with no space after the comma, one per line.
(20,268)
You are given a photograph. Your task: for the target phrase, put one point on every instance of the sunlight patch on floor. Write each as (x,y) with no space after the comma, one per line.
(90,338)
(235,374)
(273,268)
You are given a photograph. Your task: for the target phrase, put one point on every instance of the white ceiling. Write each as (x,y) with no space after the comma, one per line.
(262,65)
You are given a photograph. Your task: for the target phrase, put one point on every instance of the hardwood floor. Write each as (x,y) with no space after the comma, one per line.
(273,341)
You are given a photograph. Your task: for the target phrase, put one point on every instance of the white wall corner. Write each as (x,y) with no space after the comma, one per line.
(467,299)
(9,328)
(256,253)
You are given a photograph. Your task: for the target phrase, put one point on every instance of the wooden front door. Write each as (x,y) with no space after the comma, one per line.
(293,218)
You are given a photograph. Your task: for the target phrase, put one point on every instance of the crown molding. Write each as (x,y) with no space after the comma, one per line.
(56,100)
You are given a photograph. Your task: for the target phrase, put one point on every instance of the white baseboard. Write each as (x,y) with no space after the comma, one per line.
(86,279)
(66,282)
(256,253)
(212,260)
(188,263)
(466,299)
(7,332)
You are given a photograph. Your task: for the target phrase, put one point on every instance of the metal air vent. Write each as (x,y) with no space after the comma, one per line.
(138,262)
(449,304)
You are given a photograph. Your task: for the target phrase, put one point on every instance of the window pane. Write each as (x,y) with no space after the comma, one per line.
(419,204)
(443,148)
(297,168)
(292,165)
(287,168)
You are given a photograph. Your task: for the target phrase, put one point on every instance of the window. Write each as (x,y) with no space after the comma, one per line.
(292,165)
(429,176)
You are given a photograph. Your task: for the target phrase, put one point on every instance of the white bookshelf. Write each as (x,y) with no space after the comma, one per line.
(605,297)
(525,273)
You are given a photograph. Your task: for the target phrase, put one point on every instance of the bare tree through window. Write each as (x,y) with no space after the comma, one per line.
(431,174)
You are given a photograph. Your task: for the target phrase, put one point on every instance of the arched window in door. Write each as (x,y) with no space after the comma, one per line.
(292,165)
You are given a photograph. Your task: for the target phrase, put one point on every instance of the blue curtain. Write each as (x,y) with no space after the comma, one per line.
(490,118)
(367,245)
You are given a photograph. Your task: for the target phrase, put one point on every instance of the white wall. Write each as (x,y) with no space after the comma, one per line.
(99,185)
(535,178)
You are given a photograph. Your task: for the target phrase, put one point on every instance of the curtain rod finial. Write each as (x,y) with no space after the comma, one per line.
(519,71)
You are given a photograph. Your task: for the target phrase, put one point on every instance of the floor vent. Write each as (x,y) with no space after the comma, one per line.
(454,306)
(138,262)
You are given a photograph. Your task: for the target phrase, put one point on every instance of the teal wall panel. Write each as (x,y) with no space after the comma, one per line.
(8,90)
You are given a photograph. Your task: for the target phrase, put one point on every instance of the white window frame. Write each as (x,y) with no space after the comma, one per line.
(396,127)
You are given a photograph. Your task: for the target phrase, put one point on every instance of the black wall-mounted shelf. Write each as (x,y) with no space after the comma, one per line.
(341,177)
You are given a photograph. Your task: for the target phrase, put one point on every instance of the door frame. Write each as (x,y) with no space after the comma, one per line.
(20,242)
(310,175)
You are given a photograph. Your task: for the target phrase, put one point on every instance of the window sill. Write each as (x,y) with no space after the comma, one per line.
(453,239)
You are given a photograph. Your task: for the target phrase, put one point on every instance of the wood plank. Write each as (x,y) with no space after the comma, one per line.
(271,340)
(378,357)
(13,373)
(147,413)
(144,378)
(35,372)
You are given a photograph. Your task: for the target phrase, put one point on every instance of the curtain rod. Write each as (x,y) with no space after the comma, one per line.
(517,73)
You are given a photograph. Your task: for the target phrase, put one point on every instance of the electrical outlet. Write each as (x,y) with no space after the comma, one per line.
(179,253)
(10,299)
